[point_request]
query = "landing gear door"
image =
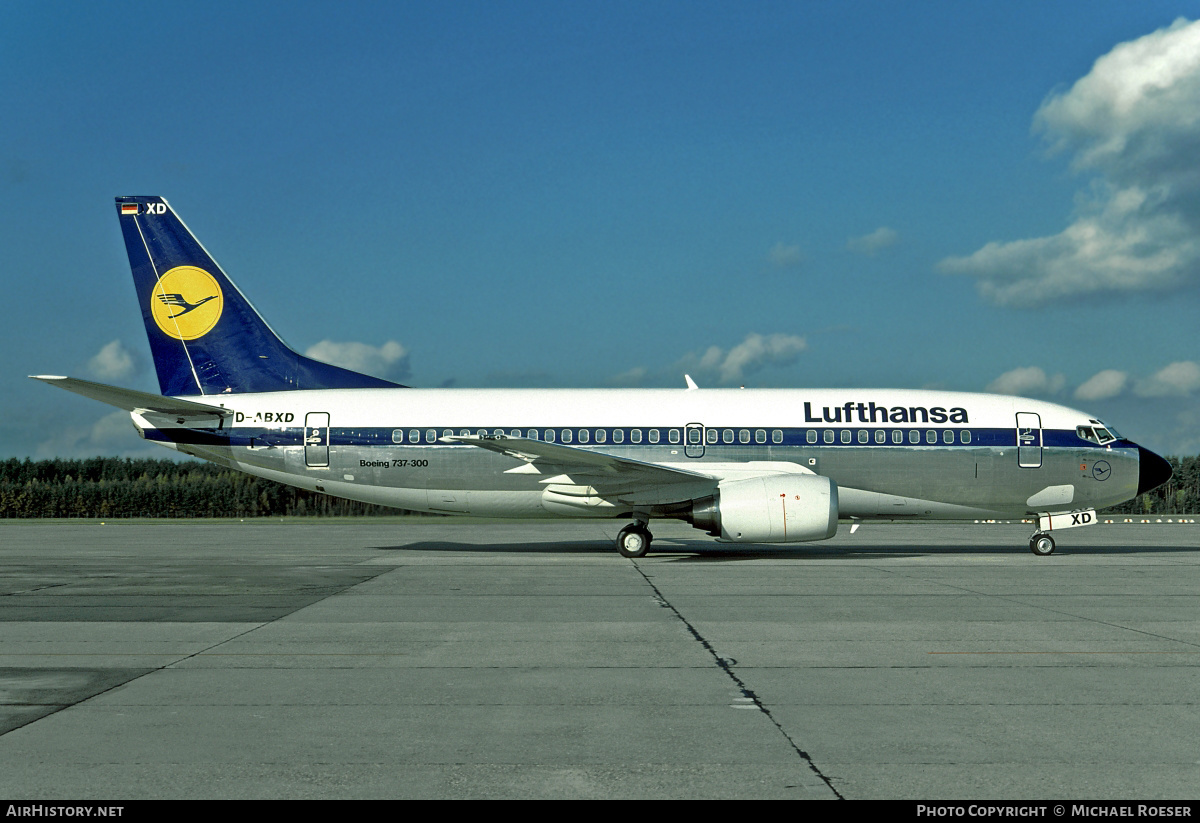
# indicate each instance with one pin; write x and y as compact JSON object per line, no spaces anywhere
{"x":693,"y":440}
{"x":1029,"y":440}
{"x":316,"y":439}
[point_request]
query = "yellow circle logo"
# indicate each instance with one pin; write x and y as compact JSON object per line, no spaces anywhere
{"x":186,"y":303}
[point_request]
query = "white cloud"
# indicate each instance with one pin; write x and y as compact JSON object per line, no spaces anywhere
{"x":110,"y":435}
{"x":1030,"y":380}
{"x":390,"y":361}
{"x":871,"y":244}
{"x":1134,"y":122}
{"x":1102,"y":385}
{"x":1176,"y":379}
{"x":716,"y":366}
{"x":114,"y":362}
{"x":633,"y":377}
{"x":785,"y":257}
{"x":748,"y":357}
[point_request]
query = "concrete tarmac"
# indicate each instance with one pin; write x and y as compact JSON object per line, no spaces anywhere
{"x":464,"y":659}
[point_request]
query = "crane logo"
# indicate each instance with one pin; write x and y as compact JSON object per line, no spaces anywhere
{"x":186,"y":303}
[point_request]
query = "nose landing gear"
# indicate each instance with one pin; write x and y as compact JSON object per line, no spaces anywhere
{"x":1041,"y":544}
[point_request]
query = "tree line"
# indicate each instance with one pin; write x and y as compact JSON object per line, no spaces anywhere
{"x":127,"y":487}
{"x":124,"y":487}
{"x":1179,"y":495}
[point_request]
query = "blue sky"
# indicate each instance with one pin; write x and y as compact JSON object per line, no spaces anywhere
{"x":968,"y":196}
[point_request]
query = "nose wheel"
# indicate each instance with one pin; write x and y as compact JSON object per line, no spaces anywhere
{"x":634,"y":540}
{"x":1041,"y":544}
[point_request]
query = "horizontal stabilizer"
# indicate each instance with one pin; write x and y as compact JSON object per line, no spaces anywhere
{"x":131,"y":400}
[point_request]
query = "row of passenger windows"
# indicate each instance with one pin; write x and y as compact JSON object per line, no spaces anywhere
{"x":712,"y":436}
{"x":898,"y":435}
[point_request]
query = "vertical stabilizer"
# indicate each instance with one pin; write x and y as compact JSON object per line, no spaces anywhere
{"x":205,"y":336}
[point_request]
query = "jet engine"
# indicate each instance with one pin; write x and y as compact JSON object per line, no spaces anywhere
{"x":772,"y":508}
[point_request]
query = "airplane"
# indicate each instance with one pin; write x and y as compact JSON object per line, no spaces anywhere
{"x":769,"y":466}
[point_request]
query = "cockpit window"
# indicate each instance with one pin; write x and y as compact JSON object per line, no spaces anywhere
{"x":1096,"y":434}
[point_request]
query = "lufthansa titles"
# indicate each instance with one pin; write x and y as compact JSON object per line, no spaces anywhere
{"x":852,"y":412}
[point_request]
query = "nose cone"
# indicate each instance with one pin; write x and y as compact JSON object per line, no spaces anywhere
{"x":1153,"y":471}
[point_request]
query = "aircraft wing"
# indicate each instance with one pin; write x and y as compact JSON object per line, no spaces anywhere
{"x":595,"y":472}
{"x":582,"y":461}
{"x":132,"y":400}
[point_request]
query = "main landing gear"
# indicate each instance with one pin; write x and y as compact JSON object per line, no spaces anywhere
{"x":634,"y":540}
{"x":1041,"y":544}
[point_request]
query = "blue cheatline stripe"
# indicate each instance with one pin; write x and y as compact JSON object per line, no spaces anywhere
{"x":792,"y":437}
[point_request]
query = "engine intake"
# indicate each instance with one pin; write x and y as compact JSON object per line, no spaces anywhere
{"x":773,"y":508}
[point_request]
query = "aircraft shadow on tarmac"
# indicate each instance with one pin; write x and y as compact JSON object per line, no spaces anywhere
{"x":702,"y":551}
{"x":867,"y":552}
{"x":546,"y":547}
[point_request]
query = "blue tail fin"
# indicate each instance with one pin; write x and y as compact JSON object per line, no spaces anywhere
{"x":205,"y":336}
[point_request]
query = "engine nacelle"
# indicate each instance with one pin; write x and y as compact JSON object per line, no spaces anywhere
{"x":773,"y":508}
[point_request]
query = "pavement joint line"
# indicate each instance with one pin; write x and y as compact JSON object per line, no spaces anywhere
{"x":176,"y":662}
{"x":727,"y":667}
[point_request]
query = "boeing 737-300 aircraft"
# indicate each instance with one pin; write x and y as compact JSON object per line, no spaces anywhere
{"x":743,"y":465}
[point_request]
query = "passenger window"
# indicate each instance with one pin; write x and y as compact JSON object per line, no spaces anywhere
{"x":827,"y":435}
{"x":693,"y":437}
{"x":862,"y":436}
{"x":567,"y":436}
{"x":914,"y":436}
{"x":414,"y":436}
{"x":654,"y":435}
{"x":777,"y":436}
{"x":727,"y":435}
{"x":964,"y":436}
{"x":948,"y":436}
{"x":811,"y":436}
{"x":711,"y":436}
{"x":583,"y":435}
{"x":760,"y":436}
{"x":397,"y":435}
{"x":744,"y":436}
{"x":618,"y":435}
{"x":533,"y":434}
{"x":635,"y":436}
{"x":880,"y":436}
{"x":465,"y":432}
{"x":897,"y":436}
{"x":931,"y":436}
{"x":673,"y":435}
{"x":549,"y":435}
{"x":448,"y":433}
{"x":845,"y":435}
{"x":515,"y":432}
{"x":430,"y":435}
{"x":601,"y":435}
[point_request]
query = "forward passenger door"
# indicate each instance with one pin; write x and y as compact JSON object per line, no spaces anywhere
{"x":1029,"y":440}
